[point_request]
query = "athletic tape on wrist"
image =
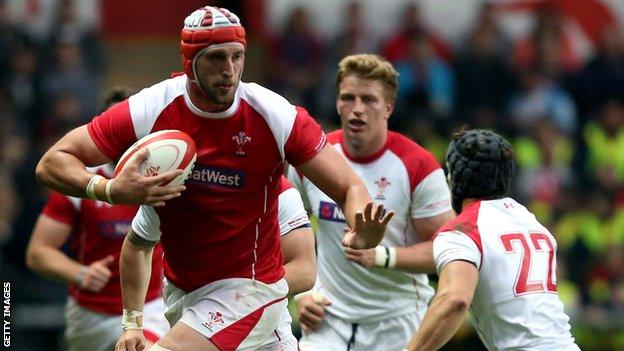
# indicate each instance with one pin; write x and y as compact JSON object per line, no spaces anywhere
{"x":381,"y":256}
{"x":385,"y":257}
{"x":392,"y":257}
{"x":81,"y":275}
{"x":107,"y":191}
{"x":93,"y":182}
{"x":316,"y":296}
{"x":132,"y":319}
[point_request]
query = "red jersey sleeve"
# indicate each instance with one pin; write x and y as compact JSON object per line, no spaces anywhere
{"x":305,"y":140}
{"x":60,"y":208}
{"x":284,"y":184}
{"x":113,"y":130}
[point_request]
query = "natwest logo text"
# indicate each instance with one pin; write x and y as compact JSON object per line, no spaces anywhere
{"x":331,"y":212}
{"x":224,"y":177}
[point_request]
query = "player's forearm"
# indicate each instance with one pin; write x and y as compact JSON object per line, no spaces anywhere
{"x":63,"y":170}
{"x":355,"y":200}
{"x":443,"y":318}
{"x":417,"y":258}
{"x":300,"y":276}
{"x":135,"y":271}
{"x":64,"y":173}
{"x":53,"y":263}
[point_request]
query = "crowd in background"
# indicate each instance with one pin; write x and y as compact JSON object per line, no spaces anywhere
{"x":564,"y":113}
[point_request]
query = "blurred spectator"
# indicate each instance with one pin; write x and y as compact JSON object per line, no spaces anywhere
{"x":354,"y":38}
{"x":548,"y":47}
{"x":298,"y":55}
{"x":541,"y":98}
{"x":396,"y":47}
{"x":24,"y":86}
{"x":67,"y":28}
{"x":604,"y":139}
{"x":11,"y":38}
{"x":603,"y":77}
{"x":426,"y":83}
{"x":70,"y":75}
{"x":483,"y":80}
{"x":543,"y":158}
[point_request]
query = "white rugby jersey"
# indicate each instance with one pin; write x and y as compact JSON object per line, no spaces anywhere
{"x":515,"y":305}
{"x":407,"y":179}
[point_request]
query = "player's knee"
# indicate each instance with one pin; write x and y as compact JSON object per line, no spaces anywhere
{"x":157,"y":347}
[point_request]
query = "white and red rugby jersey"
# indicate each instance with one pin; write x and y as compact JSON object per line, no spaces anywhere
{"x":404,"y":177}
{"x":515,"y":305}
{"x":225,"y":224}
{"x":98,"y":230}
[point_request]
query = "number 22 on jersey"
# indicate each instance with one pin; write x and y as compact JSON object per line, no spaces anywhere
{"x":527,"y":248}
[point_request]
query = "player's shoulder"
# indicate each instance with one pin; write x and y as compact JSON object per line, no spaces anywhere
{"x":465,"y":223}
{"x":409,"y":151}
{"x":418,"y":161}
{"x":264,"y":100}
{"x":161,"y":93}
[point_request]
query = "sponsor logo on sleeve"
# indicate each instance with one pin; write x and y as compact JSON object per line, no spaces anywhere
{"x":221,"y":177}
{"x":298,"y":221}
{"x":329,"y":211}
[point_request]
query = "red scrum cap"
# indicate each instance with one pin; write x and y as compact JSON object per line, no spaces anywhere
{"x":205,"y":27}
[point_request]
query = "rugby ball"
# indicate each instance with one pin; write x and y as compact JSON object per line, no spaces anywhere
{"x":168,"y":150}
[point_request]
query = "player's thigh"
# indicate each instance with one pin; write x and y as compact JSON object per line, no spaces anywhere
{"x":88,"y":330}
{"x":333,"y":334}
{"x":388,"y":334}
{"x":232,"y":313}
{"x":282,"y":338}
{"x":184,"y":338}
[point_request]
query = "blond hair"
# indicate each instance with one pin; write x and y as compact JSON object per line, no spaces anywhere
{"x":373,"y":67}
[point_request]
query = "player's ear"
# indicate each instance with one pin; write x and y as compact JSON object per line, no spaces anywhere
{"x":389,"y":109}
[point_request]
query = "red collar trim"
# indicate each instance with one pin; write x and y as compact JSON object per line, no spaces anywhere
{"x":368,"y":159}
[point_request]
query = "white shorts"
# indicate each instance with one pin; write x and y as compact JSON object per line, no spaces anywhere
{"x":87,"y":330}
{"x":235,"y":313}
{"x":335,"y":334}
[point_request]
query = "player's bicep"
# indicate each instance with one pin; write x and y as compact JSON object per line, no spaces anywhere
{"x":459,"y":278}
{"x":298,"y":245}
{"x":49,"y":232}
{"x":427,"y":226}
{"x":79,"y":144}
{"x":455,"y":246}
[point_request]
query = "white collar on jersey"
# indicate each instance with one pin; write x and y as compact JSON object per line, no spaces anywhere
{"x":216,"y":115}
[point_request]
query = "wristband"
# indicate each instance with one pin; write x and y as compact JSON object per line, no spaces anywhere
{"x":81,"y":275}
{"x":93,"y":183}
{"x":316,"y":296}
{"x":392,"y":257}
{"x":381,"y":256}
{"x":107,"y":191}
{"x":132,"y":319}
{"x":385,"y":257}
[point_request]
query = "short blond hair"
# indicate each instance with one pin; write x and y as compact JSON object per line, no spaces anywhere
{"x":373,"y":67}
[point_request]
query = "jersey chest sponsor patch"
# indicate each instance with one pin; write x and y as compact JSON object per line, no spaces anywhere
{"x":222,"y":177}
{"x":114,"y":229}
{"x":329,"y":211}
